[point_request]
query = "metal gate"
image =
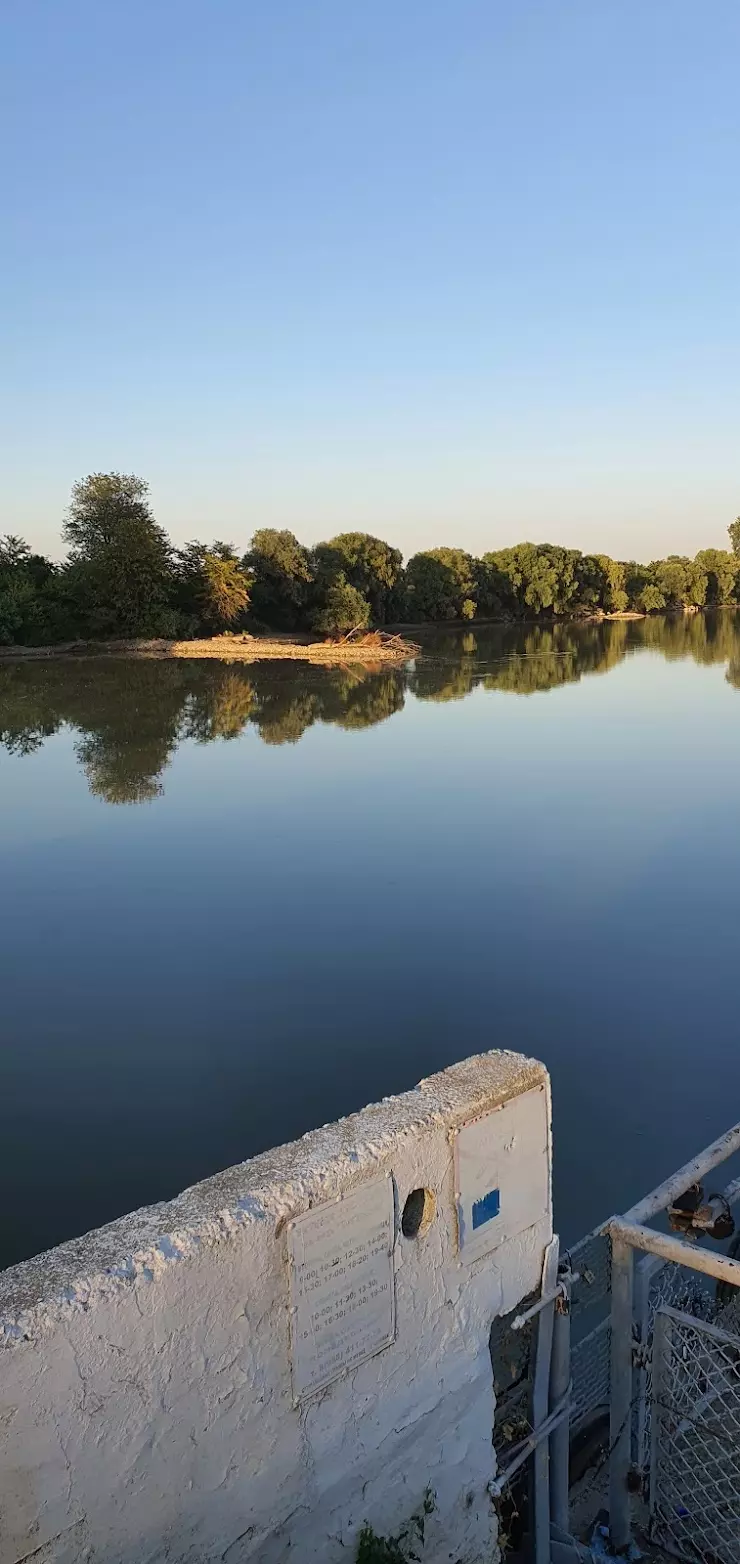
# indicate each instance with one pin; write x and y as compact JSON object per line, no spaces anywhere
{"x":695,"y":1454}
{"x":656,"y":1282}
{"x":632,"y":1350}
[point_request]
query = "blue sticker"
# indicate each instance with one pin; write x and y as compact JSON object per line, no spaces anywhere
{"x":486,"y":1208}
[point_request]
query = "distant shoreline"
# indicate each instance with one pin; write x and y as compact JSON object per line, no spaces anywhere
{"x":388,"y":645}
{"x":599,"y":617}
{"x":372,"y":648}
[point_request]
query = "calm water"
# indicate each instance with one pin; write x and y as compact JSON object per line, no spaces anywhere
{"x":240,"y":901}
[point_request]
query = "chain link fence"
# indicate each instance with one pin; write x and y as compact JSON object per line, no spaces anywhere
{"x":695,"y":1459}
{"x":657,"y":1282}
{"x":590,"y":1261}
{"x":659,"y":1285}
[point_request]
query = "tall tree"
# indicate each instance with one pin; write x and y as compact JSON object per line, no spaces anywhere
{"x":681,"y":581}
{"x":120,"y":556}
{"x":722,"y":570}
{"x":281,"y":578}
{"x":734,"y":531}
{"x":343,"y":609}
{"x":371,"y":566}
{"x":441,"y":584}
{"x":540,"y":577}
{"x":25,"y":602}
{"x":213,"y":586}
{"x":614,"y":598}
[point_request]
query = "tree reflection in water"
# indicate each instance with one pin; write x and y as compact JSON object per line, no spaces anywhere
{"x":130,"y":717}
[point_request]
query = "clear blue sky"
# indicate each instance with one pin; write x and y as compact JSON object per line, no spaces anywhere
{"x":460,"y":271}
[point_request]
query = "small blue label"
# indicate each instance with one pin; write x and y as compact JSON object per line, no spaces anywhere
{"x":486,"y":1208}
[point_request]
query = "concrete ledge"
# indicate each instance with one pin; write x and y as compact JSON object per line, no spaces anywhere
{"x":150,"y":1406}
{"x":273,"y":1186}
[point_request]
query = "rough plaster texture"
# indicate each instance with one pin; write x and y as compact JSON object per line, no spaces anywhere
{"x":146,"y":1410}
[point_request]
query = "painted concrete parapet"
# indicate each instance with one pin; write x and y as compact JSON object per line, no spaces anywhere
{"x":255,"y":1370}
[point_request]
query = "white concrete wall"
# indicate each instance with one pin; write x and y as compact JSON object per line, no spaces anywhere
{"x":146,"y":1409}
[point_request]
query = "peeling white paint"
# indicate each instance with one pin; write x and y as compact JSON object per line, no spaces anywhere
{"x":146,"y":1407}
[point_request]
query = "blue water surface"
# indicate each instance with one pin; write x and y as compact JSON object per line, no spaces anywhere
{"x":240,"y":901}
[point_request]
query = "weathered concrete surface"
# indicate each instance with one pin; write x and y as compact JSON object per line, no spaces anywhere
{"x":146,"y":1409}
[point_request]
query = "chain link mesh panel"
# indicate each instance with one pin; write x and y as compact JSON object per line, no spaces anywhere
{"x":590,"y":1260}
{"x":695,"y":1464}
{"x":591,"y":1375}
{"x":657,"y":1282}
{"x":682,"y":1289}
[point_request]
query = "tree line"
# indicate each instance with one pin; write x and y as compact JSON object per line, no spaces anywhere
{"x":131,"y":717}
{"x":122,"y":577}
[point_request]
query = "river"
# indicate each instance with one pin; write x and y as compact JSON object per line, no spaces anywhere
{"x":239,"y":901}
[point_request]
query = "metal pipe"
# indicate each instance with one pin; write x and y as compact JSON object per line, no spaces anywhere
{"x":559,"y":1388}
{"x":540,"y":1406}
{"x":520,"y":1320}
{"x":732,"y":1192}
{"x":620,"y":1411}
{"x":691,"y":1173}
{"x":709,"y":1261}
{"x":497,"y":1484}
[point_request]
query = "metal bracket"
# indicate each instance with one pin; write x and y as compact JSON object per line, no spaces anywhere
{"x":558,"y":1295}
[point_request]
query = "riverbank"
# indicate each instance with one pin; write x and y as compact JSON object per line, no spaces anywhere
{"x":375,"y":647}
{"x":511,"y":621}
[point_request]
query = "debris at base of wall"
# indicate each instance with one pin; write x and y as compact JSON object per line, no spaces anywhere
{"x":600,"y":1544}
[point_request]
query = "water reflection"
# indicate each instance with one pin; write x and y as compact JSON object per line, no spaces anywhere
{"x":130,"y":717}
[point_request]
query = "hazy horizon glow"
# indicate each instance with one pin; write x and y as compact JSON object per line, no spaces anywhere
{"x":460,"y":275}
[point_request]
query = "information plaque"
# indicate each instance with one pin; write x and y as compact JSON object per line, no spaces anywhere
{"x":341,"y":1285}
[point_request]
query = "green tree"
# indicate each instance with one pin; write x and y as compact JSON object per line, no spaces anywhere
{"x":651,"y":599}
{"x":282,"y":577}
{"x":639,"y":579}
{"x":590,"y":584}
{"x":539,"y":577}
{"x":120,"y":557}
{"x":614,"y":599}
{"x":19,"y":611}
{"x":491,"y":589}
{"x":722,"y":570}
{"x":214,"y":587}
{"x":343,"y":609}
{"x":24,"y":593}
{"x":679,"y":580}
{"x":14,"y":554}
{"x":734,"y":531}
{"x":439,"y":581}
{"x":371,"y":566}
{"x":698,"y":586}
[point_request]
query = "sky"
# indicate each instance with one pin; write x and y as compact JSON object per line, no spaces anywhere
{"x":461,"y":273}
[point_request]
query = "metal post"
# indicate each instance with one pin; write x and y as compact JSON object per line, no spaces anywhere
{"x":540,"y":1403}
{"x":559,"y":1390}
{"x":620,"y":1431}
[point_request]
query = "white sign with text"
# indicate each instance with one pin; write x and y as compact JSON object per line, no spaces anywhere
{"x":341,"y":1285}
